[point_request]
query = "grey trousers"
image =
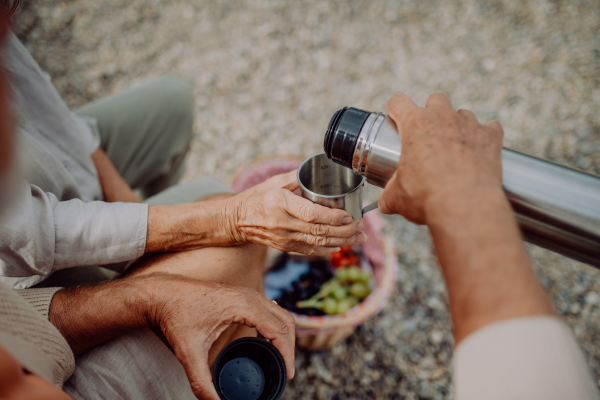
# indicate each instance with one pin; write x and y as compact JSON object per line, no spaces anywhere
{"x":145,"y":131}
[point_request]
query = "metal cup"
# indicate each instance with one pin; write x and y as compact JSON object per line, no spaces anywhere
{"x":331,"y":185}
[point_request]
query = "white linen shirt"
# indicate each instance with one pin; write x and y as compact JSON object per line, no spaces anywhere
{"x":58,"y":221}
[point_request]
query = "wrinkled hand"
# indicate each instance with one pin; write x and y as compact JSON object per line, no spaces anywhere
{"x":446,"y":156}
{"x":272,"y":215}
{"x":193,"y":314}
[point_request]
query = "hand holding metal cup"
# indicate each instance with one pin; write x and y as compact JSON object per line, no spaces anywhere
{"x":331,"y":185}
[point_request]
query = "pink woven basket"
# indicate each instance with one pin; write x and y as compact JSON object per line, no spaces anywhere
{"x":321,"y":332}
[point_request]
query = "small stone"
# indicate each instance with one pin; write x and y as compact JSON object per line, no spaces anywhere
{"x":575,"y":308}
{"x":425,"y":390}
{"x":436,"y":337}
{"x":488,"y":64}
{"x":592,"y":298}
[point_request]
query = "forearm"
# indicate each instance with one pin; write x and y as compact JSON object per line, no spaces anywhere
{"x":190,"y":226}
{"x":113,"y":185}
{"x":487,"y":272}
{"x":89,"y":316}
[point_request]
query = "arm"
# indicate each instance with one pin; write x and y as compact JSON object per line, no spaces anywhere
{"x":191,"y":314}
{"x":41,"y":234}
{"x":259,"y":215}
{"x":450,"y":178}
{"x":113,"y":185}
{"x":487,"y":272}
{"x":509,"y":343}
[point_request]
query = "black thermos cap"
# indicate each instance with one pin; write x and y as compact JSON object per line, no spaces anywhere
{"x":342,"y":135}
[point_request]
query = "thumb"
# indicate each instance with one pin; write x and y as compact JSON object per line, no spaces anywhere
{"x":383,"y":204}
{"x":388,"y":200}
{"x":289,"y":180}
{"x":198,"y":373}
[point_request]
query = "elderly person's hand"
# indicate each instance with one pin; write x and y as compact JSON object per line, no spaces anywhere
{"x":450,"y":178}
{"x":268,"y":214}
{"x":194,"y":314}
{"x":191,"y":314}
{"x":272,"y":215}
{"x":447,"y":156}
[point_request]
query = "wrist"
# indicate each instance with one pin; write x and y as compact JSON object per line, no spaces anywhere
{"x":190,"y":226}
{"x":231,"y":213}
{"x":458,"y":207}
{"x":91,"y":315}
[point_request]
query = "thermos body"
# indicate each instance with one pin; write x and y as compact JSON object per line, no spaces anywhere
{"x":557,"y":207}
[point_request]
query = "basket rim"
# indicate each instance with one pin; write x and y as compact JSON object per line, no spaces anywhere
{"x":367,"y":308}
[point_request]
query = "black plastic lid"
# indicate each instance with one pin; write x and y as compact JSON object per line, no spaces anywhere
{"x":342,"y":135}
{"x":249,"y":368}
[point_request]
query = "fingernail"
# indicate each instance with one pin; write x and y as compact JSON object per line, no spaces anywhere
{"x":293,"y":371}
{"x":360,"y":226}
{"x":347,"y":220}
{"x":361,"y":237}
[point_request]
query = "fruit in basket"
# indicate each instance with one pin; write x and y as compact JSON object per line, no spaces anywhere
{"x":341,"y":293}
{"x":342,"y":274}
{"x":345,"y":305}
{"x":360,"y":290}
{"x":330,"y":306}
{"x":307,"y":285}
{"x":345,"y":257}
{"x":319,"y":291}
{"x":353,"y":274}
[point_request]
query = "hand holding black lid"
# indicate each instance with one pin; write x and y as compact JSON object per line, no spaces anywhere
{"x":192,"y":314}
{"x":197,"y":313}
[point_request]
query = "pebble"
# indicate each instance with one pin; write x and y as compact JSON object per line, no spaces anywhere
{"x":592,"y":298}
{"x":436,"y":336}
{"x":269,"y":75}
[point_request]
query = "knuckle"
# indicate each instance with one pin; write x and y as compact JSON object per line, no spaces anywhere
{"x":284,"y":329}
{"x":289,"y":319}
{"x":320,"y":241}
{"x":415,"y":120}
{"x":319,"y":230}
{"x":243,"y":296}
{"x":308,"y":213}
{"x":448,"y":114}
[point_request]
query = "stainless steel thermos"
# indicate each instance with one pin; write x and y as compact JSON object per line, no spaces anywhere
{"x":557,"y":207}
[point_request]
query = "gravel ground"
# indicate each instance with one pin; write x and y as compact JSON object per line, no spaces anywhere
{"x":267,"y":77}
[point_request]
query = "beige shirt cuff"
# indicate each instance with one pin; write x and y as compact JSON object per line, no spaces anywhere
{"x":530,"y":358}
{"x":40,"y":299}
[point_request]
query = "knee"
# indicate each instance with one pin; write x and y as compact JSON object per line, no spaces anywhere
{"x":177,"y":99}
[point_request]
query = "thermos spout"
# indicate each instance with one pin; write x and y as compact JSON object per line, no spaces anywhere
{"x":557,"y":207}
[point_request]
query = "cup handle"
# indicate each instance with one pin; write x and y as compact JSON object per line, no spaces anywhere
{"x":370,"y":207}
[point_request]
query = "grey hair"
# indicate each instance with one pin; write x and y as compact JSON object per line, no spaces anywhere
{"x":12,"y":6}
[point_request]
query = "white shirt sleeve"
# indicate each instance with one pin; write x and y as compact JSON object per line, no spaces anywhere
{"x":40,"y":234}
{"x":533,"y":358}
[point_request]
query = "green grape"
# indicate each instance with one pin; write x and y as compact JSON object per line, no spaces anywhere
{"x":364,"y":277}
{"x":345,"y":305}
{"x":340,"y":293}
{"x":359,"y":290}
{"x":353,"y":273}
{"x":342,"y":274}
{"x":330,"y":306}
